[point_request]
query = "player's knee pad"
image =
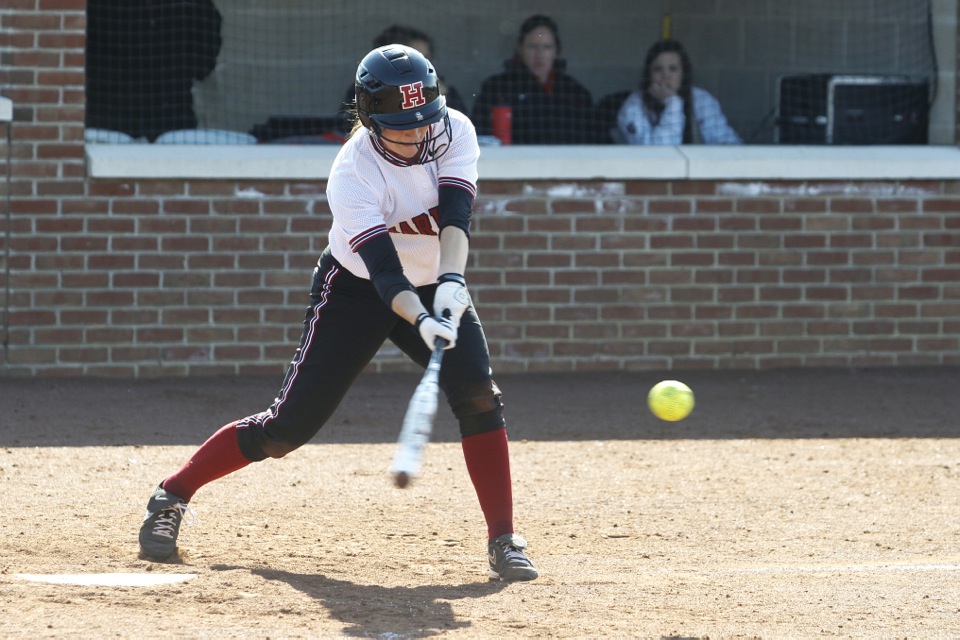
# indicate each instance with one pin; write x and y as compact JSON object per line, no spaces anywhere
{"x":477,"y":407}
{"x":479,"y":423}
{"x":277,"y":448}
{"x":260,"y":446}
{"x":478,"y":414}
{"x":258,"y":442}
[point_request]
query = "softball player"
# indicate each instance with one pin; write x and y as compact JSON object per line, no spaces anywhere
{"x":401,"y":191}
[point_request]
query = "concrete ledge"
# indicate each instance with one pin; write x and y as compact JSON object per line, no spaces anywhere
{"x":213,"y":162}
{"x":760,"y":162}
{"x":581,"y":163}
{"x":821,"y":163}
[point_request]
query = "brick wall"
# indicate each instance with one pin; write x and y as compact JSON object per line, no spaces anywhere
{"x":719,"y":275}
{"x":168,"y":278}
{"x":149,"y":278}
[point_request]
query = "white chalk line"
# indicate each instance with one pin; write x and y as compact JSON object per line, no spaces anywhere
{"x":158,"y":579}
{"x":823,"y":568}
{"x":108,"y":579}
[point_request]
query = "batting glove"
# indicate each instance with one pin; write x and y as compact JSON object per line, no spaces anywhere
{"x":451,"y":298}
{"x":431,"y":328}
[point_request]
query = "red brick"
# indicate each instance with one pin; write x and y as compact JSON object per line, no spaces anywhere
{"x":527,"y":207}
{"x":135,"y":243}
{"x":851,"y":205}
{"x":851,"y":240}
{"x":941,"y":239}
{"x":758,"y":205}
{"x":111,"y":262}
{"x":713,"y":205}
{"x":781,"y":223}
{"x":83,"y":317}
{"x":693,"y":187}
{"x":134,"y":207}
{"x":162,"y":188}
{"x":646,"y":188}
{"x":671,"y":241}
{"x":528,"y":277}
{"x":941,"y":275}
{"x":804,"y":205}
{"x":500,"y":224}
{"x":941,"y":205}
{"x":596,"y":224}
{"x":553,"y":259}
{"x":59,"y":225}
{"x":562,"y":207}
{"x":897,"y":205}
{"x":802,"y":240}
{"x":920,"y":222}
{"x":137,"y":279}
{"x":524,"y":241}
{"x":672,"y":206}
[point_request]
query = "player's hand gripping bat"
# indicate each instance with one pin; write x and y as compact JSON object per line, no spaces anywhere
{"x":418,"y":421}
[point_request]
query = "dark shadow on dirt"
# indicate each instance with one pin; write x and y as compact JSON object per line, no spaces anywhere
{"x":373,"y":611}
{"x":921,"y":402}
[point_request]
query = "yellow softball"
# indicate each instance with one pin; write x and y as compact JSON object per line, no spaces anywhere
{"x":670,"y":400}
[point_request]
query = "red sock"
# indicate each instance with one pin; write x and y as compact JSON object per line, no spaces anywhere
{"x":217,"y":457}
{"x":488,"y":463}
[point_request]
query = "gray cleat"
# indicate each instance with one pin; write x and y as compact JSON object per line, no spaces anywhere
{"x":161,"y":524}
{"x":508,"y":562}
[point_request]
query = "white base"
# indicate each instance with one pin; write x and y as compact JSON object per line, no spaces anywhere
{"x":109,"y":579}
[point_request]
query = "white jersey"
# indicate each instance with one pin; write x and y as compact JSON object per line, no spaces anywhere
{"x":369,"y":195}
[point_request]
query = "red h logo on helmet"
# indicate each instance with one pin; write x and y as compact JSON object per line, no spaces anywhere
{"x":412,"y":95}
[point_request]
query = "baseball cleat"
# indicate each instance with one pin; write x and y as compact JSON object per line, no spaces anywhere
{"x":508,"y":562}
{"x":161,"y":524}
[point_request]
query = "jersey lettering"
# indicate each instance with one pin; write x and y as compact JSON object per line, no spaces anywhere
{"x":422,"y":223}
{"x":412,"y":95}
{"x":405,"y":228}
{"x":419,"y":225}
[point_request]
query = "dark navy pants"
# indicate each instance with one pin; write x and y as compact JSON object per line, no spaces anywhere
{"x":345,"y":325}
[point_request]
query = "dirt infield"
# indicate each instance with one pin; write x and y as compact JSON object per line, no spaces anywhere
{"x":792,"y":504}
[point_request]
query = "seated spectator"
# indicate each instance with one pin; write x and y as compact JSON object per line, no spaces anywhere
{"x":668,"y":109}
{"x":411,"y":37}
{"x":142,"y":59}
{"x":548,"y":106}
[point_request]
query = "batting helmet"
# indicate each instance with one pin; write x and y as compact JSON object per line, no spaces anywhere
{"x":397,"y":88}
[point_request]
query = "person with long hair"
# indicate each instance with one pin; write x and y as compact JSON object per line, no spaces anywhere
{"x":401,"y":193}
{"x":548,"y":106}
{"x":143,"y":59}
{"x":422,"y":42}
{"x":668,"y":108}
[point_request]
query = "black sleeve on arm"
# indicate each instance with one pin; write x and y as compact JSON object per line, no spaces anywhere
{"x":456,"y":205}
{"x":386,"y":273}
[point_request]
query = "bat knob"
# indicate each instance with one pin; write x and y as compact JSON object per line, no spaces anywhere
{"x":401,"y":479}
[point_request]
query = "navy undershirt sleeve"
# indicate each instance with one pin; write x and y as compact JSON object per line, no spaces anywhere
{"x":382,"y":262}
{"x":456,"y":206}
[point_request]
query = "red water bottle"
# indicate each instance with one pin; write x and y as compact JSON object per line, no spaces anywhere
{"x":502,"y":123}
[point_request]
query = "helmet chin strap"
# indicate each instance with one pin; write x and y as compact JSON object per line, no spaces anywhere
{"x":400,"y":160}
{"x":428,"y":150}
{"x":436,"y":148}
{"x":417,"y":148}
